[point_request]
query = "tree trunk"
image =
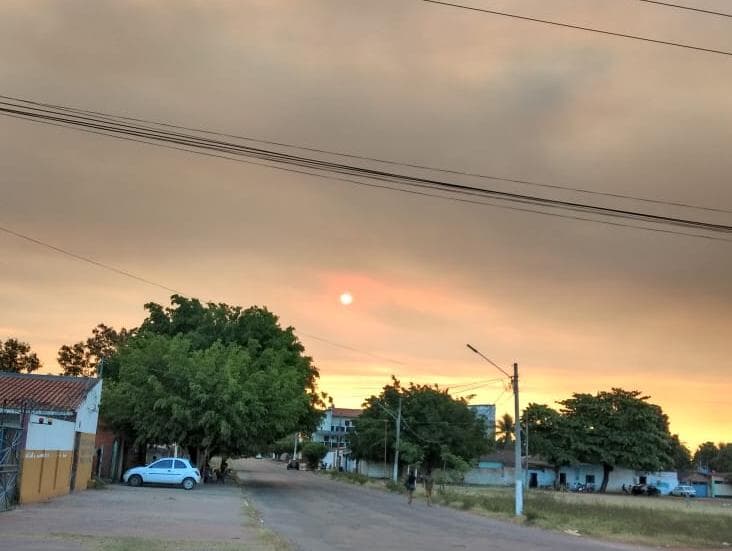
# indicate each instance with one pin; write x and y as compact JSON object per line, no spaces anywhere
{"x":605,"y":477}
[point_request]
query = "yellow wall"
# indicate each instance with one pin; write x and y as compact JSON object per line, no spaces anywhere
{"x":45,"y":474}
{"x":84,"y":464}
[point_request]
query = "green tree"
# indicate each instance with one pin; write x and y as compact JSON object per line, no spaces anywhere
{"x":83,"y":358}
{"x":216,"y":379}
{"x":723,"y":462}
{"x":313,"y":453}
{"x":711,"y":457}
{"x":285,"y":444}
{"x":437,"y":429}
{"x":680,"y":454}
{"x":504,"y":431}
{"x":255,"y":329}
{"x":705,"y":456}
{"x":618,"y":428}
{"x":550,"y":435}
{"x":16,"y":357}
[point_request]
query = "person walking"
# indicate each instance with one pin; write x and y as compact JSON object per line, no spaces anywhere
{"x":411,"y":485}
{"x":429,"y":484}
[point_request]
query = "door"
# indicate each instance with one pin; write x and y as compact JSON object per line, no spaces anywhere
{"x":179,"y":471}
{"x":10,"y":437}
{"x":160,"y":472}
{"x":533,"y":480}
{"x":75,"y":461}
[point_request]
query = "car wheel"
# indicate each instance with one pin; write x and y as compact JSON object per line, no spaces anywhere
{"x":135,"y":480}
{"x":188,"y":484}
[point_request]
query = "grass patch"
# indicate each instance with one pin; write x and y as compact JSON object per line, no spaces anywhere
{"x":353,"y":478}
{"x":395,"y":487}
{"x":642,"y":523}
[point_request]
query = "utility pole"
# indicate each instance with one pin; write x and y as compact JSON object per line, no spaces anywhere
{"x":386,"y":424}
{"x":395,"y":470}
{"x":518,"y":464}
{"x":294,"y":453}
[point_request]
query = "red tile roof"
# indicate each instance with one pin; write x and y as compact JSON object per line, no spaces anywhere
{"x":44,"y":392}
{"x":346,"y":412}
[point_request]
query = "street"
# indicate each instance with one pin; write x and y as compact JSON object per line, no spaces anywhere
{"x":318,"y":514}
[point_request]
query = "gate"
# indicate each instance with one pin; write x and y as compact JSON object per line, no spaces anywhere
{"x":10,"y":443}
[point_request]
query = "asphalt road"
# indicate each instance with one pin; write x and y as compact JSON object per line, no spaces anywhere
{"x":318,"y":514}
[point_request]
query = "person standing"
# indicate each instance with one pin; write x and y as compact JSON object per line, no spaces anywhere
{"x":411,"y":485}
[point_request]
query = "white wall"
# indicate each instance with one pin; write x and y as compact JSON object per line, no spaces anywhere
{"x":88,"y":413}
{"x":59,"y":435}
{"x":374,"y":469}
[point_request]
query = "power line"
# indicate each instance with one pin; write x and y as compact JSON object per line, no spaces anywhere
{"x":689,"y":8}
{"x":580,"y":27}
{"x":352,"y":349}
{"x":194,"y":141}
{"x":147,"y":281}
{"x":112,"y":116}
{"x":184,"y":143}
{"x":89,"y":260}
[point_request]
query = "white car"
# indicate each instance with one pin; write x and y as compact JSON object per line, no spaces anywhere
{"x":169,"y":470}
{"x":684,"y":491}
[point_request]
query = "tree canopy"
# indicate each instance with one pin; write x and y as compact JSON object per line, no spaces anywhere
{"x":17,"y":357}
{"x":550,"y":435}
{"x":213,"y":377}
{"x":504,"y":430}
{"x":84,"y":357}
{"x":618,"y":428}
{"x":436,"y":430}
{"x":712,"y":457}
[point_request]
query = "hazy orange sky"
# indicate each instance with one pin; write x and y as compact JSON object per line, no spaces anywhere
{"x":582,"y":307}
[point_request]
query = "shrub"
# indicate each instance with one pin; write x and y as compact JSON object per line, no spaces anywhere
{"x":313,"y":453}
{"x":395,"y":487}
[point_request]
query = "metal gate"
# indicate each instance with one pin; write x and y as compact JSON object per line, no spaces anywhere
{"x":10,"y":438}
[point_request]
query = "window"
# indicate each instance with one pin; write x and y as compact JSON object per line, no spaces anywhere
{"x":332,"y":428}
{"x":162,"y":464}
{"x":179,"y":464}
{"x":590,"y":479}
{"x":642,"y":480}
{"x":348,"y":423}
{"x":563,"y":478}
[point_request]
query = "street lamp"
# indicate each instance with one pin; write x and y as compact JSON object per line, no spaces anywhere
{"x":518,"y":464}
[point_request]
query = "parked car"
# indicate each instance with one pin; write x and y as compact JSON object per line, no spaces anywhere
{"x":642,"y":490}
{"x":168,"y":470}
{"x":684,"y":491}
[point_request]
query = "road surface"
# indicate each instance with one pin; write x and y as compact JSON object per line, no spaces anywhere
{"x":318,"y":514}
{"x":211,"y":517}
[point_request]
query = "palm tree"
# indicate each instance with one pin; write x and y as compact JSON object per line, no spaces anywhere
{"x":504,"y":431}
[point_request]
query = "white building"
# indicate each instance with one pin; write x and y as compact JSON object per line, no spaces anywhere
{"x":333,"y":431}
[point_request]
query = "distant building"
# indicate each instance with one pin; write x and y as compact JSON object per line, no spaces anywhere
{"x":333,"y":431}
{"x":487,"y":412}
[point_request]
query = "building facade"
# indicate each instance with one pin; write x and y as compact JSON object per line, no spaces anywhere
{"x":333,"y":431}
{"x":57,"y":422}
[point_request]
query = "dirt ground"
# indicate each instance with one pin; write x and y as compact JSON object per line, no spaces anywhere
{"x":121,"y":518}
{"x":318,"y":514}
